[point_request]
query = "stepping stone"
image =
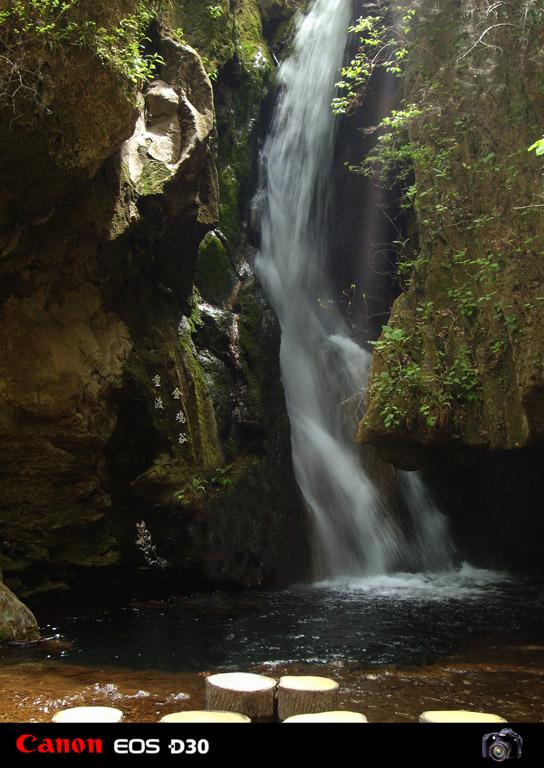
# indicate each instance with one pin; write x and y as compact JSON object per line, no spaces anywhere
{"x":205,"y":716}
{"x":459,"y":716}
{"x":305,"y":694}
{"x":328,"y":717}
{"x":242,"y":692}
{"x":88,"y":715}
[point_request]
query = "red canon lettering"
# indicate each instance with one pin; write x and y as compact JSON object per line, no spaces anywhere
{"x":47,"y":746}
{"x":20,"y":743}
{"x":28,"y":743}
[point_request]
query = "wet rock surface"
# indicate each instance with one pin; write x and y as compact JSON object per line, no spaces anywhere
{"x":17,"y":623}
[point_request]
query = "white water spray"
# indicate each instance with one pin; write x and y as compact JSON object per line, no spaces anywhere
{"x":321,"y":366}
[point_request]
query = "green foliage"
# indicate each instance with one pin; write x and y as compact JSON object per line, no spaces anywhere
{"x":381,"y":47}
{"x":425,"y":310}
{"x":394,"y":154}
{"x":410,"y":265}
{"x":199,"y":489}
{"x":391,"y":344}
{"x":224,"y":477}
{"x":193,"y":492}
{"x":475,"y":284}
{"x":538,"y":147}
{"x":468,"y":261}
{"x":214,"y":11}
{"x":32,"y":29}
{"x":123,"y":48}
{"x":496,"y":347}
{"x":460,"y":378}
{"x":440,"y":394}
{"x":402,"y":374}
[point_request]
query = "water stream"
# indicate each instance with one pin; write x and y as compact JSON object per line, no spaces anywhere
{"x":322,"y":367}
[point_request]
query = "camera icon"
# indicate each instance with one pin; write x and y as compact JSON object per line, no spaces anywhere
{"x":502,"y":745}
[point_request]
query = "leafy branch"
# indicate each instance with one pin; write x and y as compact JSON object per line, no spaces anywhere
{"x":381,"y":47}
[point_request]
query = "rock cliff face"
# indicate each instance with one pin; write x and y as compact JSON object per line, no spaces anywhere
{"x":457,"y":379}
{"x":139,"y":422}
{"x":461,"y":360}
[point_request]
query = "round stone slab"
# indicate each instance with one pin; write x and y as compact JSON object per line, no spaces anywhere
{"x":205,"y":716}
{"x":336,"y":716}
{"x":88,"y":715}
{"x":458,"y":716}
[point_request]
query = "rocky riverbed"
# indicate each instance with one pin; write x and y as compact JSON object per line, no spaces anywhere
{"x":491,"y":675}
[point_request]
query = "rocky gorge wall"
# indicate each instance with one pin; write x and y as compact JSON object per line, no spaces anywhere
{"x":142,"y":415}
{"x":457,"y":376}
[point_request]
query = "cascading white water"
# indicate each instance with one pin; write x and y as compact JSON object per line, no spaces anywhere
{"x":432,"y":548}
{"x":321,"y":366}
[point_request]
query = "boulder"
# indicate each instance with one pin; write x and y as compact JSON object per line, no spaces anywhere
{"x":17,"y":622}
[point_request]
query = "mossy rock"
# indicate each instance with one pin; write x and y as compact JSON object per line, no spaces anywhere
{"x":218,"y":379}
{"x":214,"y":274}
{"x":250,"y":31}
{"x":474,"y":298}
{"x":17,"y":622}
{"x":209,"y":31}
{"x":152,"y":178}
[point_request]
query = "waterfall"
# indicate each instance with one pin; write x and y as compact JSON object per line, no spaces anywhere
{"x":321,"y":366}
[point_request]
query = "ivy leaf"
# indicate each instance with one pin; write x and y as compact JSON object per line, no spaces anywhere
{"x":538,"y":146}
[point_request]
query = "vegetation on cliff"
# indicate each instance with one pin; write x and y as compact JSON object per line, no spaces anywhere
{"x":461,"y":356}
{"x":35,"y":32}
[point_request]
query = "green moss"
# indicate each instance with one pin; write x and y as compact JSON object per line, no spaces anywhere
{"x":214,"y":275}
{"x":233,"y":40}
{"x":252,"y":357}
{"x":195,"y":319}
{"x":232,"y":196}
{"x":177,"y":415}
{"x":152,"y":178}
{"x":201,"y":418}
{"x":8,"y":634}
{"x":211,"y":36}
{"x":250,"y":34}
{"x":238,"y":114}
{"x":219,"y":36}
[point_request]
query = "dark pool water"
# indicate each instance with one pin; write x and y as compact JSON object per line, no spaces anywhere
{"x":401,"y":620}
{"x":397,"y":645}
